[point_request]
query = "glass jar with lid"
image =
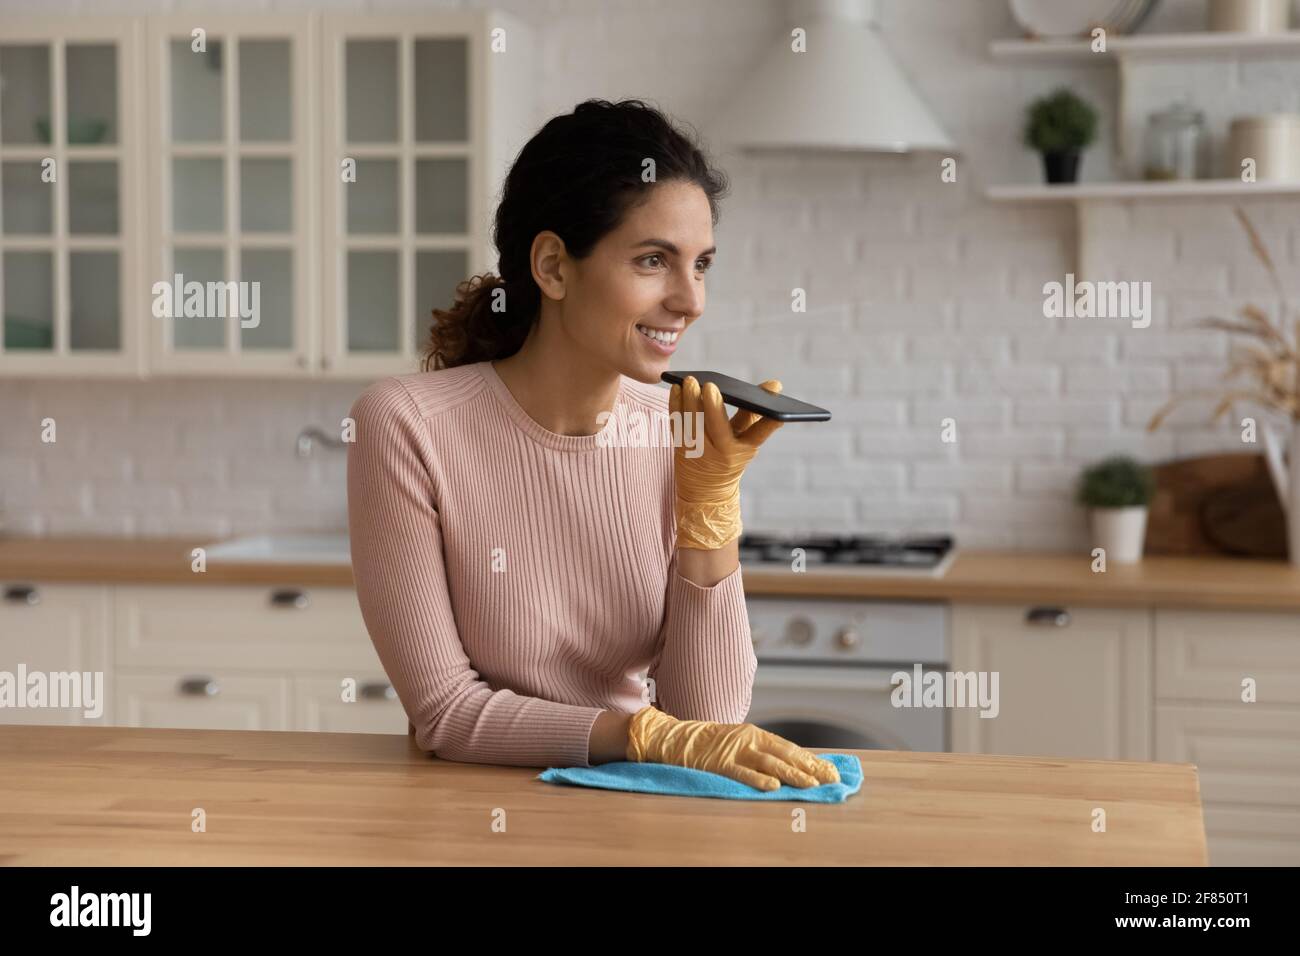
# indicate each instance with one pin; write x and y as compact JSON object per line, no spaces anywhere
{"x":1175,"y":143}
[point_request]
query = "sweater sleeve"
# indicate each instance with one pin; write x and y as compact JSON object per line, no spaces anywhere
{"x":401,"y":584}
{"x":705,"y":666}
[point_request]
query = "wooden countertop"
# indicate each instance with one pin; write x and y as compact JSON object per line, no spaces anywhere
{"x":980,"y":576}
{"x":91,"y":796}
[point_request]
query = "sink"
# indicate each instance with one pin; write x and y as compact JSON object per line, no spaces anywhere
{"x":331,"y":548}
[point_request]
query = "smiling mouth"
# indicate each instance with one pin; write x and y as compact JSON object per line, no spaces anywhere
{"x":662,"y":336}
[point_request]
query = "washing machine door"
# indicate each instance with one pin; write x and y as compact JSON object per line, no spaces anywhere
{"x":842,"y":707}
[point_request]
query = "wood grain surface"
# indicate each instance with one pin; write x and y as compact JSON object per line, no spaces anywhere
{"x":125,"y":796}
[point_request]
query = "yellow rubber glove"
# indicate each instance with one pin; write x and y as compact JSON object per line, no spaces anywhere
{"x":708,"y":485}
{"x":740,"y":751}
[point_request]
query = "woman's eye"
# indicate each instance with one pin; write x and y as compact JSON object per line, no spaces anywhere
{"x":704,"y":264}
{"x":647,"y":259}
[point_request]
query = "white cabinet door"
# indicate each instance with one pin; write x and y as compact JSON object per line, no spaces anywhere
{"x":373,"y":708}
{"x":232,"y":135}
{"x":58,"y":629}
{"x":203,"y":701}
{"x":204,"y":627}
{"x":1208,"y":666}
{"x":1072,"y":682}
{"x":420,"y":117}
{"x":71,"y":175}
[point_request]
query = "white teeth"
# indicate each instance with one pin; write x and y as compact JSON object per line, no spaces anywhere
{"x":668,"y":338}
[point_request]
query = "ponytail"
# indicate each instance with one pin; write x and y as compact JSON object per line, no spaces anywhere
{"x":471,"y":331}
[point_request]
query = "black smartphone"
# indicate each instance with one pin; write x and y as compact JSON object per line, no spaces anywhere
{"x":744,"y":395}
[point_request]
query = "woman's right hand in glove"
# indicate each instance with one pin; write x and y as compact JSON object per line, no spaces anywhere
{"x":742,"y":752}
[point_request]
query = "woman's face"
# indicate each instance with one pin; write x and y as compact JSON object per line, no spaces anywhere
{"x":646,"y":274}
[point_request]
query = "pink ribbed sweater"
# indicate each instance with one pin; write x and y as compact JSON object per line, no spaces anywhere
{"x":448,"y":478}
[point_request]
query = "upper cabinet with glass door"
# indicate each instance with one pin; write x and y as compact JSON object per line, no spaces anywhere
{"x":232,"y":244}
{"x":70,"y":177}
{"x":421,"y":118}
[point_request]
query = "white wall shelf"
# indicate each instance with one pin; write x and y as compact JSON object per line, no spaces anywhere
{"x":1192,"y":189}
{"x":1167,"y":46}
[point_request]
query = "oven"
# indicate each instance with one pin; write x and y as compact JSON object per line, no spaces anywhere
{"x":825,"y":668}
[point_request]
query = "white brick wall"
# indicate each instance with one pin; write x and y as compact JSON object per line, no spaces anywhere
{"x":924,"y":302}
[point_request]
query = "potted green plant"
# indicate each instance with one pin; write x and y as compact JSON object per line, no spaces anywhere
{"x":1117,"y":492}
{"x":1060,"y":126}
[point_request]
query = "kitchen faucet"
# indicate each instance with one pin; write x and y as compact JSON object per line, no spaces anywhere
{"x":309,"y":436}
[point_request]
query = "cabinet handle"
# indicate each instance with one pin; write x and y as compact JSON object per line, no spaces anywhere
{"x":199,"y":687}
{"x":378,"y":690}
{"x":290,"y":597}
{"x":1048,"y":617}
{"x":22,"y":594}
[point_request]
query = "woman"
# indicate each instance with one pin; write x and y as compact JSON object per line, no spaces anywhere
{"x":518,"y":573}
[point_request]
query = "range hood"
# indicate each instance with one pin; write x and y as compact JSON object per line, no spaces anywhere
{"x":844,"y":92}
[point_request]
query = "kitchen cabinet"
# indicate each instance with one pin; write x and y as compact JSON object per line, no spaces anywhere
{"x":231,"y":125}
{"x":315,"y":185}
{"x":71,"y":180}
{"x":421,"y":117}
{"x":204,"y":656}
{"x":55,"y":628}
{"x":1072,"y":682}
{"x":249,"y":657}
{"x":1161,"y":684}
{"x":1248,"y":752}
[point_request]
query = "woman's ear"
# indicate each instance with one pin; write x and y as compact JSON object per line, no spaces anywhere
{"x":548,"y":259}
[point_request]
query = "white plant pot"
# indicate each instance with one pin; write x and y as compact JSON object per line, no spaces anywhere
{"x":1286,"y":477}
{"x":1121,"y":532}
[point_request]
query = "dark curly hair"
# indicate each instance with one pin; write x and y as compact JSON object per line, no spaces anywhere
{"x":577,"y":176}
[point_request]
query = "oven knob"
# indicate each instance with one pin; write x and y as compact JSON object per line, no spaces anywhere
{"x":847,"y":639}
{"x":799,"y":631}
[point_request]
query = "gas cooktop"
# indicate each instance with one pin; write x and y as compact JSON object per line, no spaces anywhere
{"x":922,"y":555}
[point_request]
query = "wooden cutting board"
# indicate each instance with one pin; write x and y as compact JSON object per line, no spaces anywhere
{"x":1216,"y":504}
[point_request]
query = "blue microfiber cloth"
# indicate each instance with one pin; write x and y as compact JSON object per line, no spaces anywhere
{"x":684,"y":782}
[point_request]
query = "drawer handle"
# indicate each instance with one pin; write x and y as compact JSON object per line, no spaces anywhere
{"x":199,"y":687}
{"x":290,"y":597}
{"x":378,"y":690}
{"x":1048,"y":617}
{"x":22,"y":594}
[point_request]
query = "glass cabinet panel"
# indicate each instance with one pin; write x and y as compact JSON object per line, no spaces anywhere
{"x":28,"y":203}
{"x":29,"y":300}
{"x":441,"y":196}
{"x":25,"y":103}
{"x":272,"y":270}
{"x":92,"y":93}
{"x":207,"y":328}
{"x":96,"y":319}
{"x":265,"y":91}
{"x":198,"y":195}
{"x":197,"y":91}
{"x":266,"y":195}
{"x":373,"y":302}
{"x":441,"y":90}
{"x":436,"y":276}
{"x":373,"y":200}
{"x":93,"y":198}
{"x":372,"y":91}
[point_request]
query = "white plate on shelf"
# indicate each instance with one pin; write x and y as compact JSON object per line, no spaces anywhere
{"x":1069,"y":19}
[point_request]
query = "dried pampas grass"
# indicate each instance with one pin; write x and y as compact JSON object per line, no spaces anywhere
{"x":1269,"y":362}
